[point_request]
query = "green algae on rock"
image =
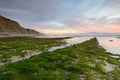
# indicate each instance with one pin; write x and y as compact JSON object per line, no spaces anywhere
{"x":85,"y":61}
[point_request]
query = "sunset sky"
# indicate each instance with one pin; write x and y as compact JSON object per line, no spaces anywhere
{"x":64,"y":16}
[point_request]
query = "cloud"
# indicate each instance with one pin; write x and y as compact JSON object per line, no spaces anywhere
{"x":38,"y":10}
{"x":50,"y":25}
{"x":64,"y":15}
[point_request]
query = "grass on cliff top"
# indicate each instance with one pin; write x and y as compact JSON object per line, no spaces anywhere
{"x":83,"y":61}
{"x":17,"y":46}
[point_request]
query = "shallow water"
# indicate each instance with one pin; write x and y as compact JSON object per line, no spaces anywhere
{"x":71,"y":41}
{"x":111,"y":44}
{"x":109,"y":67}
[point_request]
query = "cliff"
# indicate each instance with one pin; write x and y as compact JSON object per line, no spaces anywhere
{"x":10,"y":27}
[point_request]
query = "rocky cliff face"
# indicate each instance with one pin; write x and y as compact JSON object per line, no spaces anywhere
{"x":10,"y":27}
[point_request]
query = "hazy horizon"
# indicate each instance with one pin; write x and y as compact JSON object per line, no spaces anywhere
{"x":64,"y":16}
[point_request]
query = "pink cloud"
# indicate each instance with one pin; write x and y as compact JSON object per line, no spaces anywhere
{"x":76,"y":25}
{"x":82,"y":26}
{"x":108,"y":28}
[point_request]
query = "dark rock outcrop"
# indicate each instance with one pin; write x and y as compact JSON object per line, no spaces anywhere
{"x":10,"y":27}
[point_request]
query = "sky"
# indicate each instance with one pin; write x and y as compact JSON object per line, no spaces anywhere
{"x":64,"y":16}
